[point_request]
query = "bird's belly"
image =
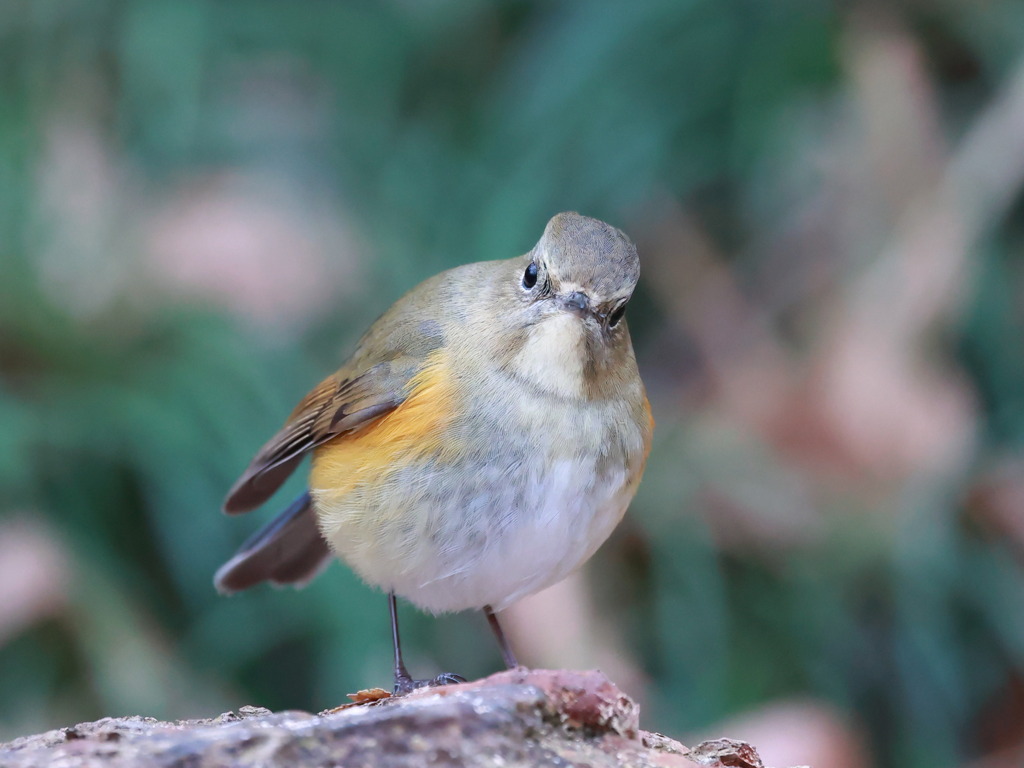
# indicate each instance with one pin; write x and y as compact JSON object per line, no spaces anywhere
{"x":453,"y":537}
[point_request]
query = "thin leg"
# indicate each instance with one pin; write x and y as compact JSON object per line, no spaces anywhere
{"x":403,"y":680}
{"x":506,"y":649}
{"x":402,"y":676}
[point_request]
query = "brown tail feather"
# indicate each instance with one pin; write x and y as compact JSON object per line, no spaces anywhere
{"x":288,"y":550}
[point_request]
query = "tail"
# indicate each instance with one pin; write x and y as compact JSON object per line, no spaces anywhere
{"x":288,"y":550}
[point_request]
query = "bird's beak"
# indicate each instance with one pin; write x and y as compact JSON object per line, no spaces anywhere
{"x":576,"y":302}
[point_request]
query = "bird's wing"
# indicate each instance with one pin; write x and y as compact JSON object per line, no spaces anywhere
{"x":341,"y":403}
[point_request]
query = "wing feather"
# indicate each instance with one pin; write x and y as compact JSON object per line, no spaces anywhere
{"x":335,"y":406}
{"x":372,"y":383}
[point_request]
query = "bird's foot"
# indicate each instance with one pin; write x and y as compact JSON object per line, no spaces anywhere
{"x":405,"y":684}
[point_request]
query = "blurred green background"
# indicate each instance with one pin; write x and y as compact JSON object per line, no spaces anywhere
{"x":203,"y":205}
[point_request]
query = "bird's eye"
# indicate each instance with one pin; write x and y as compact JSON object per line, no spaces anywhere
{"x":530,"y":276}
{"x":616,"y":316}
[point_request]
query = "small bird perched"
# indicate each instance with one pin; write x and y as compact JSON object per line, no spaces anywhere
{"x":481,"y":443}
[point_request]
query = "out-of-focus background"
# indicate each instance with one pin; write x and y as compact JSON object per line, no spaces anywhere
{"x":203,"y":204}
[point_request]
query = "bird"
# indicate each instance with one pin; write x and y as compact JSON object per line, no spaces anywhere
{"x":482,"y":441}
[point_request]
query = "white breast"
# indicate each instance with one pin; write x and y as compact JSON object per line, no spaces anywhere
{"x":566,"y":512}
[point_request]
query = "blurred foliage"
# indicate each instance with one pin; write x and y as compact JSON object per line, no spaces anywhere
{"x":439,"y":133}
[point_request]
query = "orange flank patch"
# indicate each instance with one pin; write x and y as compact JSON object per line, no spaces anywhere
{"x":414,"y":429}
{"x":634,"y":478}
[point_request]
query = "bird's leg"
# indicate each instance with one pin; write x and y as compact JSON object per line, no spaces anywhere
{"x":506,"y":650}
{"x":403,"y":680}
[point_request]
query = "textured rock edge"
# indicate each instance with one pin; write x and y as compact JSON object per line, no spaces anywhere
{"x":524,"y":717}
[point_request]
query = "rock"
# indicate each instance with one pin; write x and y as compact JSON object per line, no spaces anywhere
{"x":514,"y":718}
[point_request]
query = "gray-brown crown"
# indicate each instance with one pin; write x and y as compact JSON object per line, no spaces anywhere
{"x":588,"y":253}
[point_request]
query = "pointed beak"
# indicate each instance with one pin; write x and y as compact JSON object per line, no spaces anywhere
{"x":577,"y":302}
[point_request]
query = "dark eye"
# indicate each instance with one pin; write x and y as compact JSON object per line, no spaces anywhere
{"x":530,"y":276}
{"x":615,"y":316}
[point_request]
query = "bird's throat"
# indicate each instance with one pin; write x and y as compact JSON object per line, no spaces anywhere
{"x":554,"y":357}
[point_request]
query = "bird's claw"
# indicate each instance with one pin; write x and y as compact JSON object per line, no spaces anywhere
{"x":405,"y":684}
